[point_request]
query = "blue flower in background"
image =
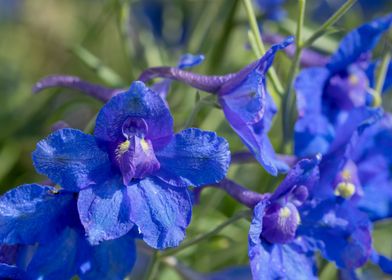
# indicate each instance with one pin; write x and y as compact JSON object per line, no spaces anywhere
{"x":330,"y":97}
{"x":290,"y":225}
{"x":41,"y":236}
{"x":247,"y":105}
{"x":272,"y":9}
{"x":134,"y":170}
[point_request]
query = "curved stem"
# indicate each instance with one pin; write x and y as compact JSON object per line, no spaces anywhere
{"x":288,"y":98}
{"x":241,"y":194}
{"x":153,"y":266}
{"x":97,"y":91}
{"x":382,"y":73}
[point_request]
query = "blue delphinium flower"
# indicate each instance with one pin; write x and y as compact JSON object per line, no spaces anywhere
{"x":41,"y":237}
{"x":134,"y":171}
{"x":291,"y":224}
{"x":328,"y":97}
{"x":245,"y":102}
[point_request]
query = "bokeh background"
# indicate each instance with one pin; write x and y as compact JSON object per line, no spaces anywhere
{"x":110,"y":42}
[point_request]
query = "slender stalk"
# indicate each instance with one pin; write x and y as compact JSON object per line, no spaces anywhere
{"x":259,"y":43}
{"x":196,"y":240}
{"x":332,"y":20}
{"x":288,"y":98}
{"x":153,"y":266}
{"x":382,"y":72}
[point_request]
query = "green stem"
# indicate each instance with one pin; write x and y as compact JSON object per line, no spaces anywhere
{"x":261,"y":49}
{"x":196,"y":240}
{"x":332,"y":20}
{"x":153,"y":266}
{"x":288,"y":98}
{"x":382,"y":72}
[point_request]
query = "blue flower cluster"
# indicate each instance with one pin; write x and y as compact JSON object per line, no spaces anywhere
{"x":134,"y":177}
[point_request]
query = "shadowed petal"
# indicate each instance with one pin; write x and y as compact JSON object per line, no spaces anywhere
{"x":110,"y":260}
{"x":25,"y":207}
{"x":104,"y":211}
{"x":194,"y":158}
{"x":71,"y":159}
{"x":161,"y":212}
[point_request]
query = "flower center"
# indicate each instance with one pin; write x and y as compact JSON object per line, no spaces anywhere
{"x":134,"y":153}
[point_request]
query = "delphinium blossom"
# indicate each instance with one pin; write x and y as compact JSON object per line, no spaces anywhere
{"x":247,"y":105}
{"x":336,"y":98}
{"x":134,"y":171}
{"x":41,"y":237}
{"x":292,"y":223}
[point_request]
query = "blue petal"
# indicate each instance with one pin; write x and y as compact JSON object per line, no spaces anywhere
{"x":255,"y":136}
{"x":104,"y":211}
{"x":244,"y":94}
{"x":71,"y":159}
{"x":12,"y":272}
{"x":340,"y":231}
{"x":358,"y":42}
{"x":27,"y":206}
{"x":111,"y":260}
{"x":58,"y":257}
{"x":273,"y":261}
{"x":194,"y":158}
{"x":313,"y":132}
{"x":383,"y":262}
{"x":138,"y":102}
{"x":304,"y":173}
{"x":309,"y":86}
{"x":189,"y":60}
{"x":161,"y":212}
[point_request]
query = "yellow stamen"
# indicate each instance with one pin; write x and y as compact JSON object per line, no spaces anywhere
{"x":144,"y":145}
{"x":345,"y":189}
{"x":353,"y":79}
{"x":284,"y":212}
{"x":122,"y":148}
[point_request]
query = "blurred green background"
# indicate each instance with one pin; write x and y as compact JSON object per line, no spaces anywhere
{"x":110,"y":42}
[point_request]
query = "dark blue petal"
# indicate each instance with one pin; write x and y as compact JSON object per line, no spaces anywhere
{"x":71,"y":159}
{"x":138,"y":102}
{"x":313,"y":132}
{"x":111,"y":260}
{"x":58,"y":257}
{"x":340,"y":231}
{"x":104,"y":211}
{"x":27,"y":206}
{"x":304,"y":173}
{"x":309,"y":86}
{"x":383,"y":262}
{"x":161,"y":212}
{"x":194,"y":158}
{"x":358,"y":42}
{"x":12,"y":272}
{"x":255,"y":137}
